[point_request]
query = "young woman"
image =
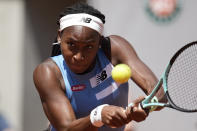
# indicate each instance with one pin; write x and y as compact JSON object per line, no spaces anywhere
{"x":75,"y":86}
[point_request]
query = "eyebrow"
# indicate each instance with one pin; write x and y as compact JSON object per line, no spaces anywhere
{"x":72,"y":38}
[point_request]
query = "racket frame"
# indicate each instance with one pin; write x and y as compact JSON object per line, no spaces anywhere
{"x":163,"y":81}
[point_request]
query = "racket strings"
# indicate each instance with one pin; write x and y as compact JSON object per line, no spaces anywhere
{"x":182,"y":79}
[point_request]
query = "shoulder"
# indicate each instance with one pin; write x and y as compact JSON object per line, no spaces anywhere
{"x":47,"y":76}
{"x":46,"y":68}
{"x":118,"y":41}
{"x":121,"y":49}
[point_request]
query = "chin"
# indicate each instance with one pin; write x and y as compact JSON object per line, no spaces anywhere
{"x":78,"y":70}
{"x":81,"y":69}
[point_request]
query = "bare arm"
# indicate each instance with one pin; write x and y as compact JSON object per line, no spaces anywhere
{"x":123,"y":52}
{"x":55,"y":104}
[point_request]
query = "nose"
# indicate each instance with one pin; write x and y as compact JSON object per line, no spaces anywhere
{"x":78,"y":56}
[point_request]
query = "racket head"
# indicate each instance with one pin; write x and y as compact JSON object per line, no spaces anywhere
{"x":181,"y":94}
{"x":180,"y":79}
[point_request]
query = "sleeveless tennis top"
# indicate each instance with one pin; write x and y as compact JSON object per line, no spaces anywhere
{"x":87,"y":91}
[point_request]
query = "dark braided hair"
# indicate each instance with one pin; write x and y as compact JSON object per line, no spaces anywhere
{"x":81,"y":8}
{"x":75,"y":9}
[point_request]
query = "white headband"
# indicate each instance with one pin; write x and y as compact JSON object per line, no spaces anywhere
{"x":82,"y":19}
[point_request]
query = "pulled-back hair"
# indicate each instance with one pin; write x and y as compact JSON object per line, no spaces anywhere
{"x":81,"y":8}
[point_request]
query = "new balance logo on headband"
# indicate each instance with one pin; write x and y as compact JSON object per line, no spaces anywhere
{"x":87,"y":20}
{"x":83,"y":20}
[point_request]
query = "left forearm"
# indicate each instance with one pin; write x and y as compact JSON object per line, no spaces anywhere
{"x":143,"y":77}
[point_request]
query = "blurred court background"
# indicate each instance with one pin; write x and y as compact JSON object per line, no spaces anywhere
{"x":28,"y":28}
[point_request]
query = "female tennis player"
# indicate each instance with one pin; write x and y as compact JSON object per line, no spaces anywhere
{"x":75,"y":86}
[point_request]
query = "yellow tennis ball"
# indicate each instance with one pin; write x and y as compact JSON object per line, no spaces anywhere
{"x":121,"y":73}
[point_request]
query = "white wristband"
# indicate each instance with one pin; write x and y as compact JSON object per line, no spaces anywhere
{"x":95,"y":116}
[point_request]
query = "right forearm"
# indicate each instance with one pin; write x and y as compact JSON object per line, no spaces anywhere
{"x":82,"y":124}
{"x":90,"y":122}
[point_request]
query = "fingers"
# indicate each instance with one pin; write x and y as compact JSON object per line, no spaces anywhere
{"x":135,"y":112}
{"x":114,"y":116}
{"x":137,"y":102}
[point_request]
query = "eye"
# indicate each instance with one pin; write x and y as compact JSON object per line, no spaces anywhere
{"x":71,"y":44}
{"x":89,"y":46}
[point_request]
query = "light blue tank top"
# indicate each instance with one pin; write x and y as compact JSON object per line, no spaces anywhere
{"x":86,"y":92}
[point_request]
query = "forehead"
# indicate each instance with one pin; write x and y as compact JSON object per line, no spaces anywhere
{"x":80,"y":32}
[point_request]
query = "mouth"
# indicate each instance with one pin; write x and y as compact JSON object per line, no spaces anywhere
{"x":78,"y":65}
{"x":78,"y":68}
{"x":81,"y":67}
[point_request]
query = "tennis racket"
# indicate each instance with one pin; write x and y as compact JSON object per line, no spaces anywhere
{"x":179,"y":82}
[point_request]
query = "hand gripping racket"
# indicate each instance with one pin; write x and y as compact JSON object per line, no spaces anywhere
{"x":179,"y":82}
